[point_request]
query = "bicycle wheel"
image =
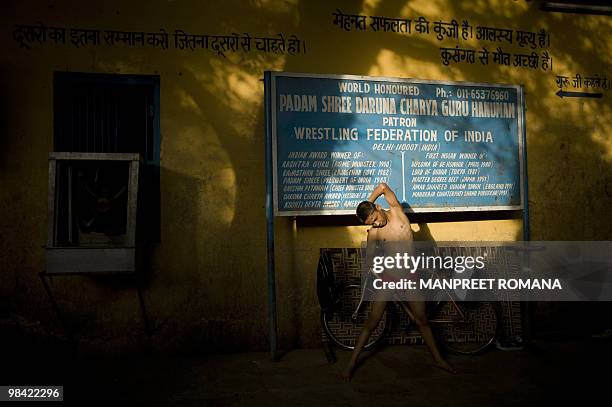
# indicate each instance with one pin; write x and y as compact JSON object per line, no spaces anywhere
{"x":466,"y":328}
{"x":339,"y":326}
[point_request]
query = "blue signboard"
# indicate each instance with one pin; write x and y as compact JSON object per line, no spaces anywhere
{"x":441,"y":146}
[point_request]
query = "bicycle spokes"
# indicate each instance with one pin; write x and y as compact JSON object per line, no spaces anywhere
{"x":466,"y":329}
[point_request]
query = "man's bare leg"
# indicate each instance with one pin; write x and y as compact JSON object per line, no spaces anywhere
{"x":378,"y":309}
{"x":420,"y":318}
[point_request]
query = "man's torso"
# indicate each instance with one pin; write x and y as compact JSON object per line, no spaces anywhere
{"x":396,"y":237}
{"x":397,"y":228}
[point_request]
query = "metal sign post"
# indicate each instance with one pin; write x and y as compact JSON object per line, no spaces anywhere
{"x":272,"y":319}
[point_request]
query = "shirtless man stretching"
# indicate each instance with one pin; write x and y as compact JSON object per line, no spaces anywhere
{"x":392,"y":226}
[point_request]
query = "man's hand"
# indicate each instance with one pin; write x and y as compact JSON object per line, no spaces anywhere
{"x":384,"y":189}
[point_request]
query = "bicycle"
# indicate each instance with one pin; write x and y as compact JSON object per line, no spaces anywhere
{"x":461,"y":327}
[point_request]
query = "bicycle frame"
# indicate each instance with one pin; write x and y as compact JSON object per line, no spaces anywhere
{"x":450,"y":299}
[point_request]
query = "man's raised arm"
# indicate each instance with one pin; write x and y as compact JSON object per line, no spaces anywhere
{"x":383,"y":189}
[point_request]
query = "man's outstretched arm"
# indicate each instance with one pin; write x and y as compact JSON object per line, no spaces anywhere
{"x":383,"y":189}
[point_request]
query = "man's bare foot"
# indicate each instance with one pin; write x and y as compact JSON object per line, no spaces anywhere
{"x":444,"y":365}
{"x":347,"y":374}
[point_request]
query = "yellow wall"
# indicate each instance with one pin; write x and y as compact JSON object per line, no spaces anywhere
{"x":208,"y":284}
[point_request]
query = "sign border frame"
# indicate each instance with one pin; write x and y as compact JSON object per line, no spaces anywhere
{"x":340,"y":212}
